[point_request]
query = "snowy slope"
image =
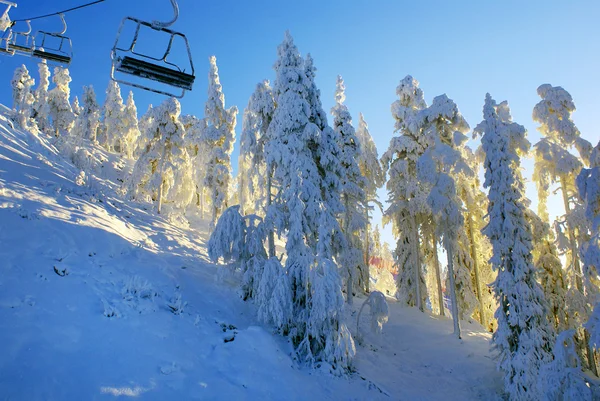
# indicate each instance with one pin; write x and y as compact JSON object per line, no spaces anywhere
{"x":88,"y":284}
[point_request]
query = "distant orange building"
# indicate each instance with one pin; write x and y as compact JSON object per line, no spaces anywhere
{"x":380,"y":263}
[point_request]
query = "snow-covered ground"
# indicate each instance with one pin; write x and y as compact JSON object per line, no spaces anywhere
{"x":102,"y":299}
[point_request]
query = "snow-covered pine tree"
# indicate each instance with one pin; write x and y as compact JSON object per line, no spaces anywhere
{"x":131,"y":132}
{"x":162,"y":174}
{"x":352,"y":192}
{"x":219,"y":136}
{"x":588,"y":184}
{"x":370,"y":168}
{"x":58,"y":102}
{"x":524,"y":336}
{"x":562,"y":379}
{"x":439,"y":165}
{"x":88,"y":120}
{"x":41,"y":109}
{"x":144,"y":123}
{"x":407,"y":195}
{"x":252,"y":166}
{"x":113,"y":124}
{"x":556,"y":165}
{"x":22,"y":97}
{"x":300,"y":212}
{"x":76,"y":107}
{"x":549,"y":271}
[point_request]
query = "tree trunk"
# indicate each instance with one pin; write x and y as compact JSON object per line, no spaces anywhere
{"x":367,"y":265}
{"x":350,"y":282}
{"x":577,"y":267}
{"x":271,"y":235}
{"x":160,"y":187}
{"x":417,"y":259}
{"x":438,"y":276}
{"x":482,"y":318}
{"x":450,"y":254}
{"x":241,"y":186}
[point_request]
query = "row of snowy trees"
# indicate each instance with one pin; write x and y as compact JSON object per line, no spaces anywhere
{"x":178,"y":158}
{"x":436,"y":198}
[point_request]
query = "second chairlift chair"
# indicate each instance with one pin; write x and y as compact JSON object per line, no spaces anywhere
{"x":127,"y":60}
{"x":54,"y":47}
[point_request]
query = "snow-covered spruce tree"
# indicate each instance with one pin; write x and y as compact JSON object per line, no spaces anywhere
{"x":144,"y":124}
{"x":113,"y":119}
{"x":300,"y":212}
{"x":370,"y":168}
{"x":88,"y":120}
{"x":162,"y":174}
{"x":196,"y":147}
{"x":556,"y":165}
{"x":22,"y":97}
{"x":407,"y":194}
{"x":58,"y":102}
{"x":549,"y":271}
{"x":252,"y":166}
{"x":524,"y":336}
{"x":588,"y":184}
{"x":353,"y":195}
{"x":562,"y":379}
{"x":219,"y":136}
{"x":438,"y":166}
{"x":41,"y":109}
{"x":131,"y":132}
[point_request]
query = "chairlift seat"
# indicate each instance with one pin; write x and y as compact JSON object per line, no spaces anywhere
{"x":145,"y":69}
{"x":19,"y":48}
{"x":56,"y":57}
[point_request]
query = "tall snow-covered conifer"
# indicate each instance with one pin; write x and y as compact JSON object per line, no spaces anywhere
{"x":370,"y":168}
{"x":524,"y":337}
{"x":113,"y":124}
{"x":219,"y":136}
{"x":58,"y":102}
{"x":22,"y":97}
{"x":252,"y":165}
{"x":41,"y":109}
{"x":353,"y":194}
{"x":300,"y":211}
{"x":407,"y":194}
{"x":131,"y":131}
{"x":88,"y":120}
{"x":162,"y":174}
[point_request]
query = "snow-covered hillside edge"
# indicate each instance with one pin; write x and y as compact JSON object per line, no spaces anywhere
{"x":100,"y":298}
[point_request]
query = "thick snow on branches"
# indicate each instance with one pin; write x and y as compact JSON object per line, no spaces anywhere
{"x":524,"y":336}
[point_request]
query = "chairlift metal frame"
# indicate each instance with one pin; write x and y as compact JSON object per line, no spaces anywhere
{"x":58,"y":56}
{"x":144,"y":66}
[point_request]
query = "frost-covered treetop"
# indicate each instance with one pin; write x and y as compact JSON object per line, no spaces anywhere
{"x":497,"y":115}
{"x":215,"y":105}
{"x":444,"y":117}
{"x":261,"y":102}
{"x":553,"y":112}
{"x":289,"y":67}
{"x":340,"y":89}
{"x":62,"y":79}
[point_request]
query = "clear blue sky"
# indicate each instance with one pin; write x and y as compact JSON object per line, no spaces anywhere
{"x":463,"y":49}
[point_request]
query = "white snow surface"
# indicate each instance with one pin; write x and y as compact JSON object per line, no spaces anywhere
{"x":101,"y":299}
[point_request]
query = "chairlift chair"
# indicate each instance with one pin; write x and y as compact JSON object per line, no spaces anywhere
{"x":60,"y":54}
{"x":158,"y":69}
{"x":22,"y":42}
